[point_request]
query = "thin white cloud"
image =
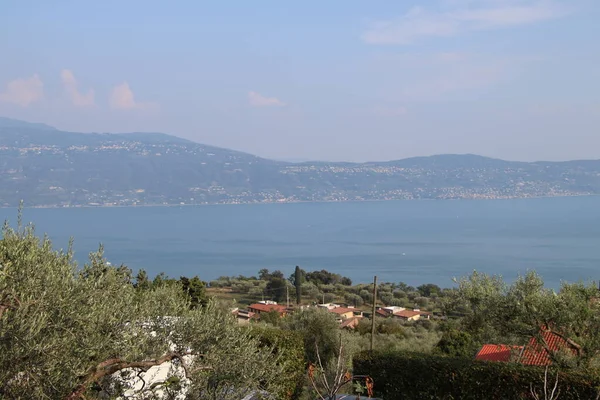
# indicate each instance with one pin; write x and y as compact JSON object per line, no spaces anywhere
{"x":407,"y":78}
{"x":122,"y":98}
{"x":465,"y":17}
{"x":70,"y":84}
{"x":23,"y":91}
{"x":258,"y":100}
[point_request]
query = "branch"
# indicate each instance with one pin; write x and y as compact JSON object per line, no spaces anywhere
{"x":113,"y":365}
{"x":323,"y":374}
{"x":569,"y":341}
{"x":7,"y":304}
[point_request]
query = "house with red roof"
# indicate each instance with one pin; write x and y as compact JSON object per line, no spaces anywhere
{"x":380,"y":312}
{"x":345,"y":312}
{"x":350,"y":323}
{"x":499,"y":352}
{"x":259,"y":308}
{"x":537,"y":351}
{"x":408,"y":315}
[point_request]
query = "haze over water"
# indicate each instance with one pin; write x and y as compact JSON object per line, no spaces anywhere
{"x":411,"y":241}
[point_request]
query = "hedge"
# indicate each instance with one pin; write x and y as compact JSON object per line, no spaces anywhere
{"x":418,"y":376}
{"x":290,"y":345}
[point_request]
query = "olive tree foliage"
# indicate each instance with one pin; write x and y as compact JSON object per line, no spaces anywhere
{"x":497,"y":312}
{"x":321,"y":331}
{"x":67,"y":333}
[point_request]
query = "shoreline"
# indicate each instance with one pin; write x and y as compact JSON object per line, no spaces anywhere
{"x":297,"y":202}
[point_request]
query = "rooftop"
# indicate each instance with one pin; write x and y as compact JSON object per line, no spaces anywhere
{"x":498,"y":352}
{"x":267,"y":307}
{"x":407,"y":313}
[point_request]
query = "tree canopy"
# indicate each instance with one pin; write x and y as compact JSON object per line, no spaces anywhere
{"x":69,"y":332}
{"x":495,"y":311}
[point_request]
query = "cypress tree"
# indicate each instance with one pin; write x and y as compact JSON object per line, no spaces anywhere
{"x":298,"y":284}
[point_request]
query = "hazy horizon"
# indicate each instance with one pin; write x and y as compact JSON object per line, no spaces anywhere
{"x":300,"y":160}
{"x":351,"y":81}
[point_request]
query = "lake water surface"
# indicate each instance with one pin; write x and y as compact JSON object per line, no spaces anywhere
{"x":411,"y":241}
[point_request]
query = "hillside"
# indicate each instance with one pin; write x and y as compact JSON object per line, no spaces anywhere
{"x":48,"y":167}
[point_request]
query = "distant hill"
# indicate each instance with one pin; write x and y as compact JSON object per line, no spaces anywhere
{"x":47,"y":167}
{"x":15,"y":123}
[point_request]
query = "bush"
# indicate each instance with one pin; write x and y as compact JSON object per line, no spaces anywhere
{"x":291,"y":345}
{"x":366,"y":295}
{"x":353,"y":299}
{"x":310,"y":290}
{"x":391,"y":326}
{"x":417,"y":376}
{"x":386,"y":298}
{"x":457,"y":343}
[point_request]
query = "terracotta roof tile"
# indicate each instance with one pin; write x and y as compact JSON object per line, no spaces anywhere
{"x":498,"y":352}
{"x":536,"y":354}
{"x":350,"y":323}
{"x":531,"y":354}
{"x":407,"y":313}
{"x":342,"y":310}
{"x":267,"y":307}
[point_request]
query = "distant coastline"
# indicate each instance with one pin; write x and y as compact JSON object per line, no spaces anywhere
{"x":54,"y":169}
{"x":298,"y":202}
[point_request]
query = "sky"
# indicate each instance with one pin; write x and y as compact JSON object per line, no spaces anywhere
{"x":314,"y":80}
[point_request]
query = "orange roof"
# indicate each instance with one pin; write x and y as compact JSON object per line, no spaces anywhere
{"x":536,"y":354}
{"x":497,"y":352}
{"x":382,"y":312}
{"x":267,"y":307}
{"x":407,"y":313}
{"x":531,"y":354}
{"x":350,"y":323}
{"x":342,"y":310}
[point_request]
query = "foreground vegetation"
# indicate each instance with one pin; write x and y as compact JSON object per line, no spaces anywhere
{"x":98,"y":331}
{"x":66,"y":332}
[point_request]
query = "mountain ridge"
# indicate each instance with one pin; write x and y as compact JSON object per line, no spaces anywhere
{"x":48,"y":167}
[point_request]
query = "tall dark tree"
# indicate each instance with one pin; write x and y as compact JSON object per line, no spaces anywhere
{"x":195,"y":289}
{"x":264,"y":274}
{"x":298,"y":284}
{"x":141,"y":280}
{"x":276,"y":288}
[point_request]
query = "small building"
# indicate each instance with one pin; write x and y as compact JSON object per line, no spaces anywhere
{"x":328,"y":306}
{"x":380,"y":312}
{"x":259,"y":308}
{"x":499,"y":352}
{"x":345,"y":313}
{"x":424,"y":314}
{"x":408,"y":315}
{"x":534,"y":353}
{"x":244,"y":316}
{"x":393,"y":309}
{"x":350,"y":323}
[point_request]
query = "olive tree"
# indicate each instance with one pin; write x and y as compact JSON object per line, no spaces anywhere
{"x":496,"y":311}
{"x":75,"y":333}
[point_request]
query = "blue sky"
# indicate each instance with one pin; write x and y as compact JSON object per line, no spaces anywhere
{"x":328,"y":80}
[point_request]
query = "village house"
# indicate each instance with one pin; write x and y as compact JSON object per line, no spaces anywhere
{"x":402,"y":313}
{"x":350,"y":323}
{"x":263,"y":307}
{"x":408,"y":315}
{"x":392,"y":309}
{"x":534,"y":353}
{"x":346,"y":312}
{"x":243,"y":316}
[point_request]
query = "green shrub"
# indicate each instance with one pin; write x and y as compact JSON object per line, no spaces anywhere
{"x":457,"y":343}
{"x":290,"y":344}
{"x":417,"y":376}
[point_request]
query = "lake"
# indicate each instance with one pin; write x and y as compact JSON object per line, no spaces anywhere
{"x":411,"y":241}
